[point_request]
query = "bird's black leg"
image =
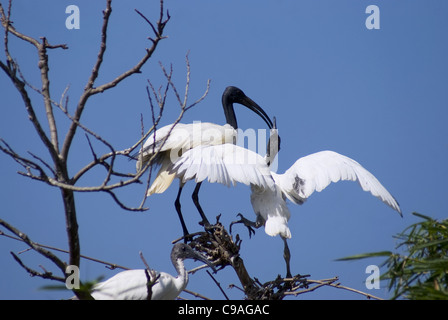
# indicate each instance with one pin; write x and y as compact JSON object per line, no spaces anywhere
{"x":287,"y":257}
{"x":250,"y":225}
{"x":195,"y":198}
{"x":179,"y":213}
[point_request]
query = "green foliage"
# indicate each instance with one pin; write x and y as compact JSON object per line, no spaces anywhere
{"x":421,"y":271}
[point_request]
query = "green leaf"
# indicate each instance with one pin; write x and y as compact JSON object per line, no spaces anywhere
{"x":422,"y":216}
{"x":430,"y":244}
{"x":366,"y":255}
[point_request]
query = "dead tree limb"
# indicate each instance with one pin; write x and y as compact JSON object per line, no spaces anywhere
{"x":57,"y":174}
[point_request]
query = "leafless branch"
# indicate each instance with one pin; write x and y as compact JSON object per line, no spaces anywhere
{"x":195,"y":294}
{"x":151,"y":276}
{"x":161,"y":99}
{"x":34,"y":273}
{"x":36,"y":166}
{"x":49,"y":255}
{"x":43,"y":162}
{"x":331,"y":283}
{"x":108,"y":265}
{"x":43,"y":66}
{"x":27,"y":164}
{"x":183,"y":103}
{"x":91,"y":90}
{"x":218,"y":285}
{"x":64,"y":182}
{"x":20,"y":86}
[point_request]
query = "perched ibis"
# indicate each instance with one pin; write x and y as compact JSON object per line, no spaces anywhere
{"x":169,"y":142}
{"x":133,"y":284}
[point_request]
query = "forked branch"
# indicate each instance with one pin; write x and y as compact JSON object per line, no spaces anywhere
{"x":90,"y":90}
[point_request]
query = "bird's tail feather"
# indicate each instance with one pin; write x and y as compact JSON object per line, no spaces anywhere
{"x":277,"y":225}
{"x":162,"y":181}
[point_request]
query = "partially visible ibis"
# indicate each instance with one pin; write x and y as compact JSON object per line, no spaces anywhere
{"x":134,"y":284}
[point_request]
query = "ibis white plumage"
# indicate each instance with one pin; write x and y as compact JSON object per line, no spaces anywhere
{"x":230,"y":164}
{"x":133,"y":284}
{"x":169,"y":142}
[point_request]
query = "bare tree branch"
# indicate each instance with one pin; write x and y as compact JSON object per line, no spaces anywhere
{"x":218,"y":285}
{"x":34,"y":245}
{"x":49,"y":255}
{"x":24,"y":162}
{"x":90,"y":90}
{"x":195,"y":294}
{"x":34,"y":273}
{"x":109,"y":265}
{"x":60,"y":176}
{"x":43,"y":66}
{"x":20,"y":86}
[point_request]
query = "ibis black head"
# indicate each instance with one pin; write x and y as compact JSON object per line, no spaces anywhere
{"x":183,"y":251}
{"x":233,"y":95}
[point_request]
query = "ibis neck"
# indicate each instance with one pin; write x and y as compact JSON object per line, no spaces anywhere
{"x":229,"y":113}
{"x":182,"y":277}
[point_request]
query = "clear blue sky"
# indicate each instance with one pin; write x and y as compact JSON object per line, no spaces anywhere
{"x":377,"y":96}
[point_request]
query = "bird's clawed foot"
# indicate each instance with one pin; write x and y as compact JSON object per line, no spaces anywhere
{"x":250,"y":225}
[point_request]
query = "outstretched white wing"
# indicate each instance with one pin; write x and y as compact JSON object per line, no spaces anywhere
{"x":316,"y":171}
{"x":226,"y":164}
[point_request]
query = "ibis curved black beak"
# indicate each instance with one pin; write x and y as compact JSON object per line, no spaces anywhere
{"x":184,"y":251}
{"x":249,"y":103}
{"x":190,"y":253}
{"x":200,"y":257}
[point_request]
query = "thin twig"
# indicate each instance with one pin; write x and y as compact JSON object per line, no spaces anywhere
{"x":218,"y":284}
{"x":34,"y":273}
{"x":161,"y":100}
{"x":331,"y":283}
{"x":109,"y":265}
{"x":195,"y":294}
{"x":368,"y":295}
{"x":91,"y":90}
{"x":151,"y":276}
{"x":34,"y":245}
